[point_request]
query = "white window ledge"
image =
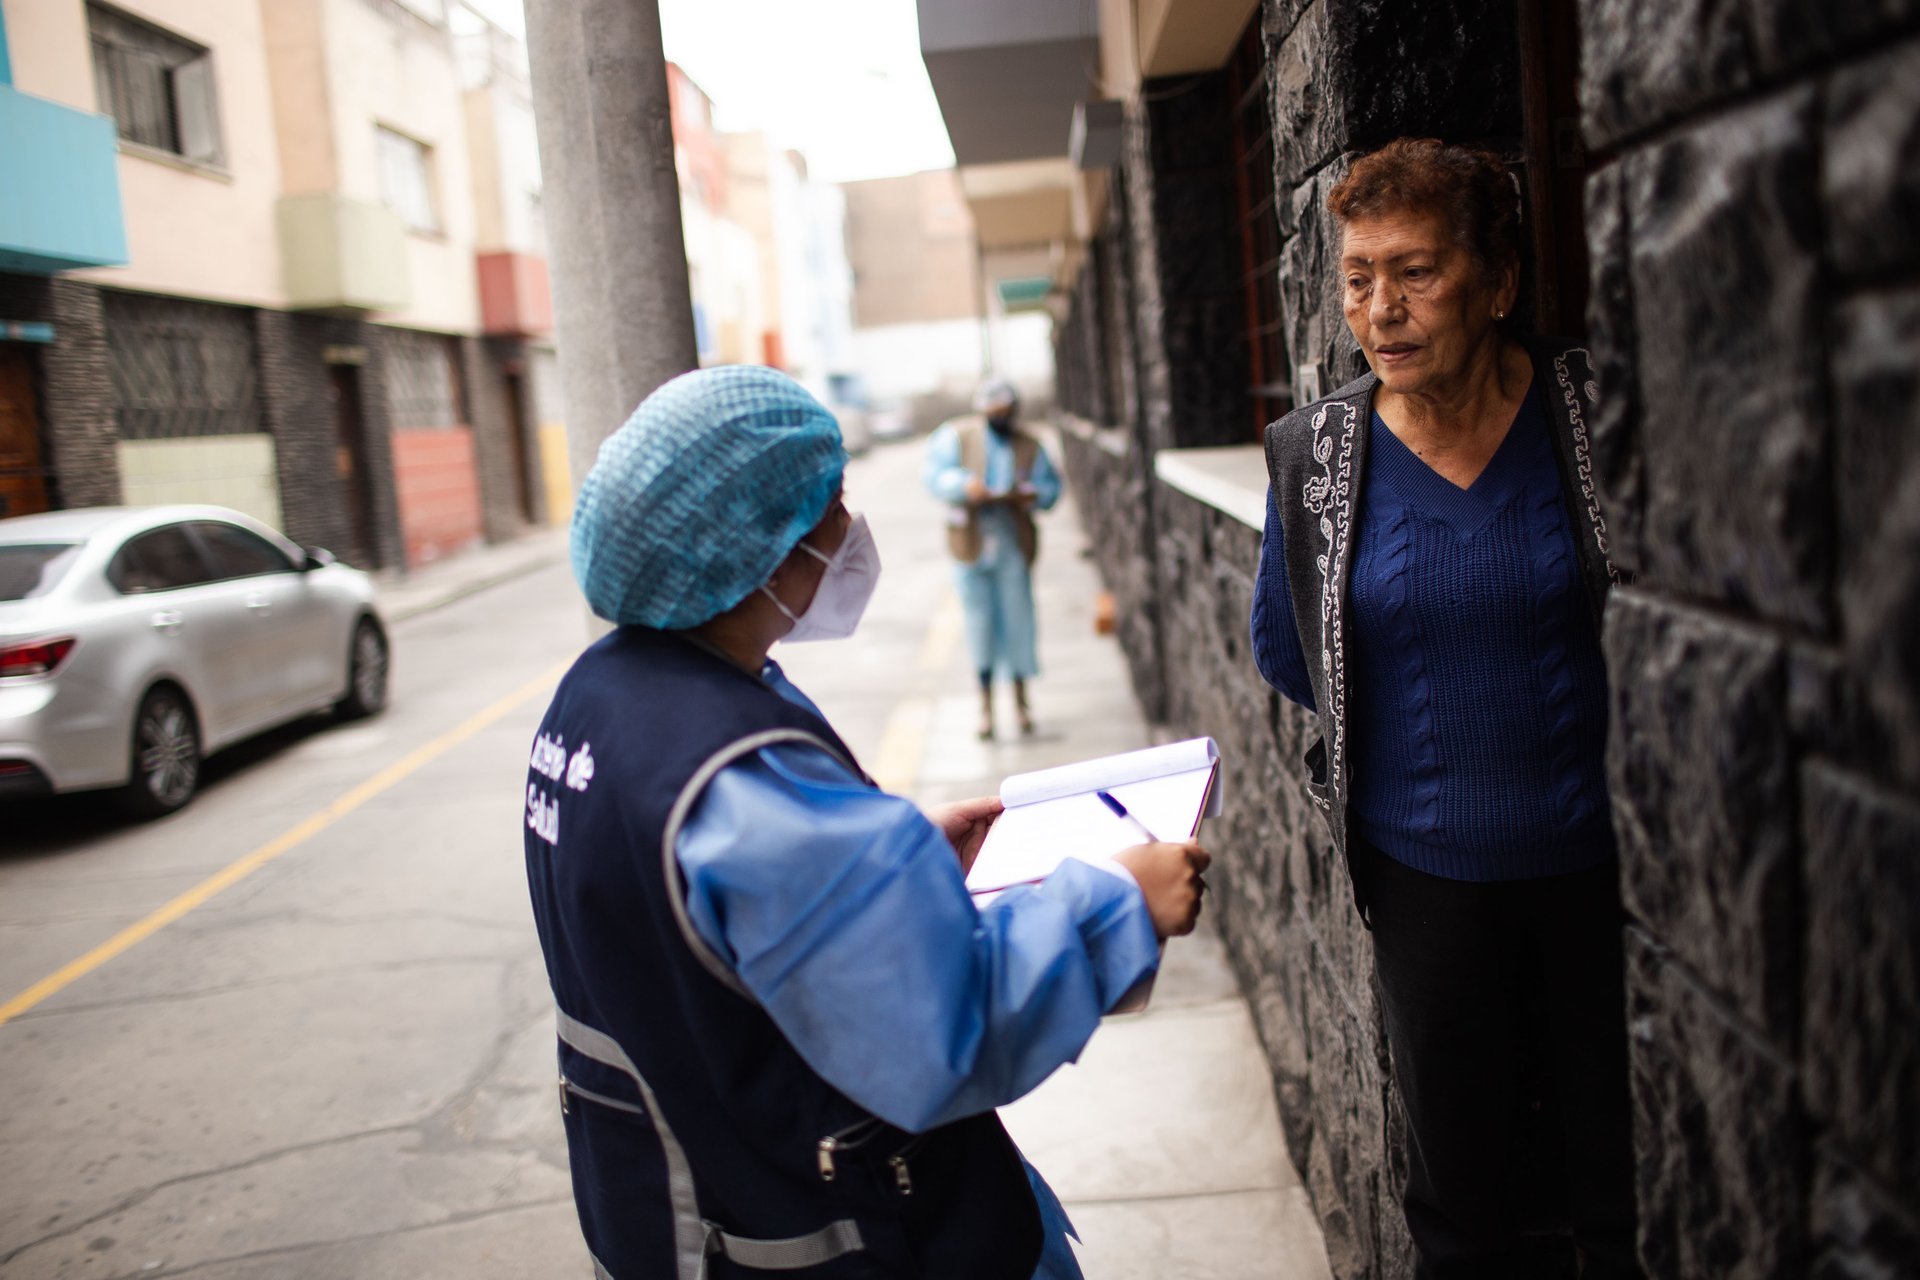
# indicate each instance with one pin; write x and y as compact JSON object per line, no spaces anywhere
{"x":1232,"y":480}
{"x":174,"y":160}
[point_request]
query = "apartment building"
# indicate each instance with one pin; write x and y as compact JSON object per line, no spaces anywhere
{"x":510,"y":246}
{"x":322,"y":308}
{"x":726,"y":265}
{"x":766,"y":249}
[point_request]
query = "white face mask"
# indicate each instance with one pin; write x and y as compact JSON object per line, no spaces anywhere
{"x":846,"y":585}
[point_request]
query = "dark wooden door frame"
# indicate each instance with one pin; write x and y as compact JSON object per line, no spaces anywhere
{"x":24,"y":476}
{"x":350,"y":443}
{"x":1557,"y":162}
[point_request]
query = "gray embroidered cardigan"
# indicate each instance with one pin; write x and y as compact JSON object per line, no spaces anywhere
{"x":1316,"y":459}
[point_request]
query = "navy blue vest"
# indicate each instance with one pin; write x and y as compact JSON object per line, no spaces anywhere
{"x":694,"y":1128}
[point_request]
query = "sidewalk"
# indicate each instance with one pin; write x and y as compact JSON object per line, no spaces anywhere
{"x":464,"y":573}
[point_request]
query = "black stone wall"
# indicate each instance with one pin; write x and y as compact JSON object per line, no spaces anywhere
{"x":1156,"y":350}
{"x":1184,"y":282}
{"x":1104,"y":386}
{"x":1756,"y":325}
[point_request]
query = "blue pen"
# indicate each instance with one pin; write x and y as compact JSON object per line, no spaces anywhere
{"x":1120,"y":812}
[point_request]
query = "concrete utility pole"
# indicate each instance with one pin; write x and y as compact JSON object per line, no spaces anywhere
{"x":621,"y":298}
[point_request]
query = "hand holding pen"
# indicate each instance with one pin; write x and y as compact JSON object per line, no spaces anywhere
{"x":1168,"y":874}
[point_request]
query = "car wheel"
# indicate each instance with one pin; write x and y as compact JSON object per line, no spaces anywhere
{"x":166,"y":755}
{"x":367,"y":669}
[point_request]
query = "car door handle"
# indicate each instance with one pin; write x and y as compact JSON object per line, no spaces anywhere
{"x":259,"y":604}
{"x":169,"y":621}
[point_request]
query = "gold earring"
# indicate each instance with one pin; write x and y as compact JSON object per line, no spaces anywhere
{"x":1499,"y":314}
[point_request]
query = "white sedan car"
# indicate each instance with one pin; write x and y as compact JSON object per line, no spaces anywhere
{"x":134,"y":641}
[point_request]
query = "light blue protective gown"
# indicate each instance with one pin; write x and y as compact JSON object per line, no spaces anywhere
{"x":996,"y":590}
{"x":843,"y":910}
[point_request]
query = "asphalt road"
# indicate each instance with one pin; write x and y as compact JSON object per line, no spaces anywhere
{"x":339,"y":1063}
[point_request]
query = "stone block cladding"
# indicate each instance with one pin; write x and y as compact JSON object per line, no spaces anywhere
{"x":1755,"y":326}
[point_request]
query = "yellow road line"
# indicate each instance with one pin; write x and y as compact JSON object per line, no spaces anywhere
{"x":896,"y":765}
{"x":943,"y":635}
{"x":286,"y":841}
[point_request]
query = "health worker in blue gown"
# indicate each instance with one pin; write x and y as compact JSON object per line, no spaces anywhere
{"x":993,"y":475}
{"x":784,"y":1025}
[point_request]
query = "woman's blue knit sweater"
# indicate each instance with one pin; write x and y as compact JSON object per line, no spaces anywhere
{"x":1476,"y":691}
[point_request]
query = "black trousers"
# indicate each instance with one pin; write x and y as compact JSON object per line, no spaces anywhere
{"x":1494,"y":992}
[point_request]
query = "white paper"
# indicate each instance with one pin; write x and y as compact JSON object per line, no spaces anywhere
{"x":1108,"y":772}
{"x":1054,"y":814}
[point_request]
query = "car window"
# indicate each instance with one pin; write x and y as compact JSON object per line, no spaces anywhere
{"x":234,"y":552}
{"x":162,"y":560}
{"x":33,"y":569}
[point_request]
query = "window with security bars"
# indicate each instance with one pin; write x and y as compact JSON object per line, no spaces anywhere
{"x":157,"y":87}
{"x":180,"y":368}
{"x":1269,"y":389}
{"x":423,"y":380}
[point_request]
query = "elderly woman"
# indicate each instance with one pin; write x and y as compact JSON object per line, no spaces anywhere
{"x":1431,"y":583}
{"x":783,"y":1024}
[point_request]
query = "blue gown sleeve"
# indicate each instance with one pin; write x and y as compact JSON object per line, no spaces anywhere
{"x":843,"y":911}
{"x":1046,"y":481}
{"x":1276,"y":636}
{"x":942,"y":473}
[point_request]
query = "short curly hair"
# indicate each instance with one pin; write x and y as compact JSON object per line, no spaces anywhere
{"x":1475,"y":194}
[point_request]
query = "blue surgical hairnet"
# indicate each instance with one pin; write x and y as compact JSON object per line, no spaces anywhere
{"x":697,"y":499}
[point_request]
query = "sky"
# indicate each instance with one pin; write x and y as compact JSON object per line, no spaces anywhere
{"x":840,"y":81}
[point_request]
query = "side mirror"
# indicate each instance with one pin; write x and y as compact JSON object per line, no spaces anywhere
{"x":316,"y":558}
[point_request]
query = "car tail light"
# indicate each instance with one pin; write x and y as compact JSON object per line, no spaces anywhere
{"x":36,"y":659}
{"x":14,"y":768}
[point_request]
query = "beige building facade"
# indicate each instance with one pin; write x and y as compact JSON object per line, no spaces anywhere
{"x":298,"y":328}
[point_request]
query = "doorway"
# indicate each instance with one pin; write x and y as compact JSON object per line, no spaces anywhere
{"x":350,"y":463}
{"x":517,"y":441}
{"x":23,"y":472}
{"x":1557,"y":163}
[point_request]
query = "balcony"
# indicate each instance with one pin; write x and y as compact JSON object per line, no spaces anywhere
{"x":342,"y":255}
{"x":60,"y":197}
{"x":1007,"y":73}
{"x":515,"y":299}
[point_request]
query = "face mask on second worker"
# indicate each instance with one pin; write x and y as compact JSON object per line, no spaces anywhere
{"x":846,"y":585}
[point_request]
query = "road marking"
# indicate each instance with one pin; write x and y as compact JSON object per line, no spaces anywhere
{"x":285,"y":842}
{"x":896,"y":765}
{"x":943,"y":635}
